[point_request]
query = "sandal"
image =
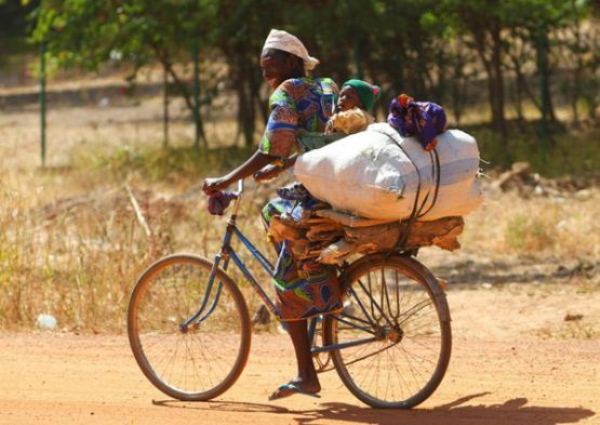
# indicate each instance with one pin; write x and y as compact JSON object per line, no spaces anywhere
{"x":290,"y":389}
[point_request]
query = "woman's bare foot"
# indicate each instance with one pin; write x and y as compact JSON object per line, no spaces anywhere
{"x":309,"y":385}
{"x":306,"y":382}
{"x":297,"y":386}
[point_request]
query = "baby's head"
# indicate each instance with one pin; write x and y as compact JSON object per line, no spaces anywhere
{"x":357,"y":94}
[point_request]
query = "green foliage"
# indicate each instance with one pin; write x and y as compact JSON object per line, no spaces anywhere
{"x":13,"y":27}
{"x":571,"y":153}
{"x":88,"y":34}
{"x":431,"y":49}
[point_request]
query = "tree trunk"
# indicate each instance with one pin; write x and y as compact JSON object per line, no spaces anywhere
{"x":576,"y":92}
{"x":542,"y":48}
{"x":523,"y":85}
{"x":255,"y":81}
{"x":181,"y":86}
{"x":458,"y":87}
{"x":198,"y":124}
{"x":440,"y":89}
{"x":578,"y":71}
{"x":498,"y":116}
{"x":246,"y":111}
{"x":493,"y":70}
{"x":518,"y":88}
{"x":421,"y":74}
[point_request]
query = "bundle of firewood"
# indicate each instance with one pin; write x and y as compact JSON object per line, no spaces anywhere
{"x":328,"y":236}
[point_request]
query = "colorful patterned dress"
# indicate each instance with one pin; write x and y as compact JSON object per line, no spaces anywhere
{"x":299,"y":104}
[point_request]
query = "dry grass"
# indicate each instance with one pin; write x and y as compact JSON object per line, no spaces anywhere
{"x":570,"y":330}
{"x":71,"y":246}
{"x":78,"y":258}
{"x":561,"y":228}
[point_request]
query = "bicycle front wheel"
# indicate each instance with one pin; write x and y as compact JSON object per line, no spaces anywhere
{"x":395,"y":330}
{"x":203,"y":359}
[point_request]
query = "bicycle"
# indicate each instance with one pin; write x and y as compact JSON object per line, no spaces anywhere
{"x":190,"y":332}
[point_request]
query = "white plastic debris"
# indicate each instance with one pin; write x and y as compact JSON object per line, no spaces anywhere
{"x":46,"y":322}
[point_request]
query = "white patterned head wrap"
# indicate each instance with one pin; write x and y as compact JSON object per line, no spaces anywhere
{"x":283,"y":40}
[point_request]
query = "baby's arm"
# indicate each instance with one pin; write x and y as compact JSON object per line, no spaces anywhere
{"x":350,"y":121}
{"x":330,"y":126}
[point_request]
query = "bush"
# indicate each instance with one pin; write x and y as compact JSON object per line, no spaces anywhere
{"x":529,"y":234}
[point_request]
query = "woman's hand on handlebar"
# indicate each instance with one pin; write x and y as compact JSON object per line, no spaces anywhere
{"x":214,"y":184}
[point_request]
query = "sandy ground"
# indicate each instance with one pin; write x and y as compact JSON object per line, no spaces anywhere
{"x":510,"y":365}
{"x":515,"y":359}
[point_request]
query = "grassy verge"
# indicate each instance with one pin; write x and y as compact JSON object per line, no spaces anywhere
{"x":156,"y":164}
{"x":573,"y":152}
{"x":71,"y":245}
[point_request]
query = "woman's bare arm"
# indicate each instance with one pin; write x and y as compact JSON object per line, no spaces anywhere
{"x":271,"y":171}
{"x":257,"y":161}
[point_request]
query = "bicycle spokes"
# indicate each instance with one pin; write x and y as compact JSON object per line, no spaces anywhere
{"x":395,"y":342}
{"x":189,"y":333}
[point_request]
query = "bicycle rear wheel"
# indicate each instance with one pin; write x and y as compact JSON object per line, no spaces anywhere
{"x":202,"y":360}
{"x":397,"y":304}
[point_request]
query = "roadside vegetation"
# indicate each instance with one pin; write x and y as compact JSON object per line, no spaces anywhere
{"x":72,"y":245}
{"x":185,"y":100}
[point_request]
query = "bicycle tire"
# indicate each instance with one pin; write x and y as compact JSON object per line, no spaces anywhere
{"x":150,"y":321}
{"x":431,"y":295}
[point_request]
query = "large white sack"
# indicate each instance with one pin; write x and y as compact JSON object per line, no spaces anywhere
{"x":369,"y":175}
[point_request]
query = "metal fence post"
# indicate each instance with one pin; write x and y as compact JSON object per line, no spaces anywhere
{"x":196,"y":89}
{"x":165,"y":108}
{"x":43,"y":102}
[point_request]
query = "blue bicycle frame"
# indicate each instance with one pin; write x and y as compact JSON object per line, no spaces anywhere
{"x":227,"y":253}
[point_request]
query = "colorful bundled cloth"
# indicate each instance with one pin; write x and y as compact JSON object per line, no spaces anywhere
{"x":425,"y":120}
{"x":297,"y":104}
{"x":294,"y":192}
{"x":219,"y":201}
{"x":302,"y":294}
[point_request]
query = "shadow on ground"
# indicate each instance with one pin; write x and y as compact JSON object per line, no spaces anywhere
{"x":470,"y":272}
{"x":511,"y":412}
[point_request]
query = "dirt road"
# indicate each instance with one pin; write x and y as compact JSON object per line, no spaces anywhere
{"x":501,"y":372}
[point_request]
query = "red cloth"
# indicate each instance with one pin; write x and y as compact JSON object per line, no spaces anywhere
{"x":219,"y":201}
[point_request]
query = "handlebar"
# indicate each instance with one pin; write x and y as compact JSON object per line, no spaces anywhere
{"x":238,"y":198}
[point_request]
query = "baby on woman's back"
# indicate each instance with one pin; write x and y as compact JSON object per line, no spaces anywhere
{"x":354,"y":107}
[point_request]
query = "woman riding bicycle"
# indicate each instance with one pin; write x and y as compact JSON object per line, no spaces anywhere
{"x":299,"y":102}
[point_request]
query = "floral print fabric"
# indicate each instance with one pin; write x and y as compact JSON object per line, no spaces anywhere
{"x":301,"y":295}
{"x":297,"y":104}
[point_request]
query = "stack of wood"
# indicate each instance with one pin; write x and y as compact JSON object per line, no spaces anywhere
{"x":328,"y":236}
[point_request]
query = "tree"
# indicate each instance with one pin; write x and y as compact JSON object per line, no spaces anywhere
{"x":431,"y":49}
{"x":575,"y":50}
{"x":484,"y":22}
{"x":90,"y":34}
{"x":13,"y":27}
{"x":239,"y":33}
